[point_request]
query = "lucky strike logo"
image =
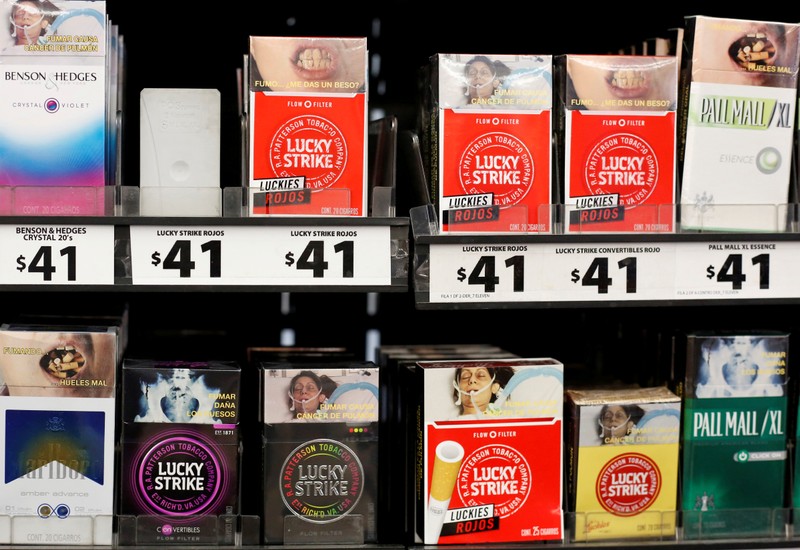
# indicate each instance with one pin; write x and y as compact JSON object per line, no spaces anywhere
{"x":497,"y":163}
{"x":309,"y":146}
{"x":495,"y":474}
{"x":322,"y":480}
{"x":178,"y":476}
{"x":622,"y":164}
{"x":628,"y":484}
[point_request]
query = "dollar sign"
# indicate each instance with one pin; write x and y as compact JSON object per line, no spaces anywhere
{"x":710,"y":271}
{"x":462,"y":274}
{"x":21,"y":263}
{"x":156,"y":258}
{"x":289,"y":258}
{"x":575,"y":277}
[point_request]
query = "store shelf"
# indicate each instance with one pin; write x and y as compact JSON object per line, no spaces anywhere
{"x":593,"y":270}
{"x":289,"y":254}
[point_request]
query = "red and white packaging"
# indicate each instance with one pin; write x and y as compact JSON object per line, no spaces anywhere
{"x":307,"y":119}
{"x":489,"y":440}
{"x":488,"y":132}
{"x":619,"y":142}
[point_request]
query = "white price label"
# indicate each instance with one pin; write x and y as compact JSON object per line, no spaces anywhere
{"x":57,"y":254}
{"x":610,"y":271}
{"x":177,"y":255}
{"x":726,"y":270}
{"x":548,"y":272}
{"x":261,"y":255}
{"x":327,"y":255}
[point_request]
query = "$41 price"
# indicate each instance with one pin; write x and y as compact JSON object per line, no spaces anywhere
{"x":313,"y":258}
{"x":731,"y":271}
{"x":42,"y":262}
{"x":597,"y":275}
{"x":180,"y":257}
{"x":484,"y":273}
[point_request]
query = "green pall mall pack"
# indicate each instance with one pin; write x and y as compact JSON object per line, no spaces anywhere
{"x":734,"y":433}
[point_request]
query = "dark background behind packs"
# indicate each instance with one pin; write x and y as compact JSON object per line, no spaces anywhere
{"x":196,"y":45}
{"x":193,"y":45}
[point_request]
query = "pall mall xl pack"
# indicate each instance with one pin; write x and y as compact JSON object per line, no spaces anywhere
{"x":735,"y":407}
{"x":486,"y":125}
{"x":307,"y":115}
{"x":739,"y":87}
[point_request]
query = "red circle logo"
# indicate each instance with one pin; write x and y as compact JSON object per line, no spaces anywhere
{"x":495,"y":474}
{"x":624,"y":165}
{"x":310,"y":146}
{"x":497,"y":163}
{"x":628,"y":484}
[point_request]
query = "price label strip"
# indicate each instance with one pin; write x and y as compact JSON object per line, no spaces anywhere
{"x":548,"y":272}
{"x":57,"y":254}
{"x":729,"y":270}
{"x":347,"y":256}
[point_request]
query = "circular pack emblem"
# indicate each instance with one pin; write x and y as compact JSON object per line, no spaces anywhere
{"x":624,"y":165}
{"x":495,"y":474}
{"x":497,"y":163}
{"x":179,"y":476}
{"x":322,"y":480}
{"x":309,"y":146}
{"x":628,"y":484}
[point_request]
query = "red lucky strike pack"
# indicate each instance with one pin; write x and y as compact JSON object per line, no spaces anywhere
{"x":619,"y":141}
{"x":308,"y":126}
{"x":487,"y":141}
{"x":489,"y":446}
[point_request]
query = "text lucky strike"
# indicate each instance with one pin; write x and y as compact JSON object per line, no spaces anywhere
{"x":494,"y":480}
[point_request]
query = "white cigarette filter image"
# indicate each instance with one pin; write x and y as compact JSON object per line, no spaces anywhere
{"x":446,"y":465}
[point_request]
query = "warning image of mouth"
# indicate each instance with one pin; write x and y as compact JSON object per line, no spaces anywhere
{"x":322,"y":480}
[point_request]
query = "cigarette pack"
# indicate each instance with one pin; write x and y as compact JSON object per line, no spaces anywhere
{"x":737,"y":123}
{"x":489,"y":454}
{"x":321,"y":452}
{"x":487,"y":129}
{"x":57,"y":422}
{"x":180,"y":452}
{"x":734,"y":428}
{"x":308,"y":126}
{"x":56,"y":59}
{"x":395,"y":361}
{"x":622,"y":476}
{"x":618,"y":142}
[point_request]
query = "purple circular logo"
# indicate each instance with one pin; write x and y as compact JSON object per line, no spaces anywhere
{"x":179,"y":476}
{"x":51,"y":105}
{"x":166,"y":529}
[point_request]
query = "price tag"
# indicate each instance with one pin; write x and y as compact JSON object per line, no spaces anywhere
{"x":548,"y":272}
{"x":57,"y":254}
{"x":609,"y":271}
{"x":178,"y":255}
{"x":726,"y":270}
{"x":268,"y":255}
